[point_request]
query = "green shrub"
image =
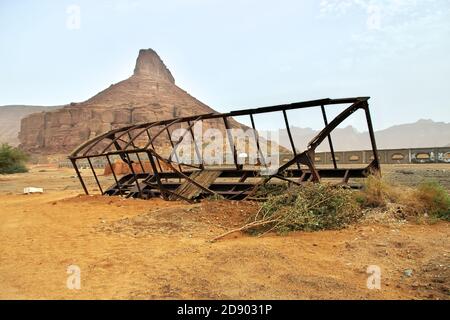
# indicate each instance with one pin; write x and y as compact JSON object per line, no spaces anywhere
{"x":12,"y":160}
{"x":311,"y":207}
{"x":434,"y":199}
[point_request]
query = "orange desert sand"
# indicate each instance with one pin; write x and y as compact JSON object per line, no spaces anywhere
{"x":138,"y":249}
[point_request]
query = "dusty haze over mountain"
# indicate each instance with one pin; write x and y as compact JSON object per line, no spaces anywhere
{"x":421,"y":134}
{"x":150,"y":94}
{"x":10,"y":117}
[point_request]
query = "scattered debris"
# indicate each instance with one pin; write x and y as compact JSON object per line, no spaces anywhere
{"x":30,"y":190}
{"x":408,"y":273}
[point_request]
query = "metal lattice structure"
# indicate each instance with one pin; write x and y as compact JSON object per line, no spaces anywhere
{"x":150,"y":173}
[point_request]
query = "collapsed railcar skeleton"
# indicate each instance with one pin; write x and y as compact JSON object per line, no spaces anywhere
{"x":169,"y":180}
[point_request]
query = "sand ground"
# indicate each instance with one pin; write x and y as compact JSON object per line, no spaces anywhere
{"x":137,"y":249}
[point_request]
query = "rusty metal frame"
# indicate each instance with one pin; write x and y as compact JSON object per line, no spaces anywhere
{"x":149,"y":184}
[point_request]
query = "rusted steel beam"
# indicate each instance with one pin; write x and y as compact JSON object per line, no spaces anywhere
{"x":230,"y":140}
{"x":165,"y":128}
{"x":286,"y":121}
{"x":257,"y":140}
{"x":114,"y":174}
{"x":150,"y":142}
{"x":376,"y":162}
{"x":95,"y":175}
{"x":180,"y":140}
{"x":156,"y":175}
{"x":197,"y":151}
{"x":333,"y":124}
{"x":80,"y":178}
{"x":114,"y":139}
{"x":330,"y":142}
{"x":137,"y":154}
{"x":171,"y":143}
{"x":130,"y":165}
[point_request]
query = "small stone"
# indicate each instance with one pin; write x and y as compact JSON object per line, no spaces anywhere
{"x":408,"y":272}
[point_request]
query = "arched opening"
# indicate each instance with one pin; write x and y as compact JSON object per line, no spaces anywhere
{"x":397,"y":156}
{"x":423,"y":156}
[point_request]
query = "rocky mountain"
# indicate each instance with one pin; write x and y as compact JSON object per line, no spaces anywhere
{"x":10,"y":117}
{"x":150,"y":94}
{"x":423,"y":133}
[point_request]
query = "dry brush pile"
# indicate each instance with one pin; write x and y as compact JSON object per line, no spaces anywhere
{"x":316,"y":206}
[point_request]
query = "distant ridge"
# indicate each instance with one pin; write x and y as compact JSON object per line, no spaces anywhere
{"x":421,"y":134}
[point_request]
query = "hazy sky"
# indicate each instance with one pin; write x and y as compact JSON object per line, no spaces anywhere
{"x":236,"y":54}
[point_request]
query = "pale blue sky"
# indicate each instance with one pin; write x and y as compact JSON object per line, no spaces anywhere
{"x":236,"y":54}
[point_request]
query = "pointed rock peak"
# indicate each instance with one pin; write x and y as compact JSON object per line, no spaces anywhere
{"x":149,"y":64}
{"x":425,"y":121}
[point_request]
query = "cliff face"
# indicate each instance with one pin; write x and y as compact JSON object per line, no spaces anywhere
{"x":10,"y":117}
{"x":150,"y":94}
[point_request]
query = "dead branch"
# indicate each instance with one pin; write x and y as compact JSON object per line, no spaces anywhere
{"x":243,"y":228}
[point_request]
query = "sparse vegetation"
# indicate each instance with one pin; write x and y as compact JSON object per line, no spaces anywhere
{"x":12,"y":160}
{"x":317,"y":206}
{"x":429,"y":199}
{"x":377,"y":193}
{"x":435,"y":200}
